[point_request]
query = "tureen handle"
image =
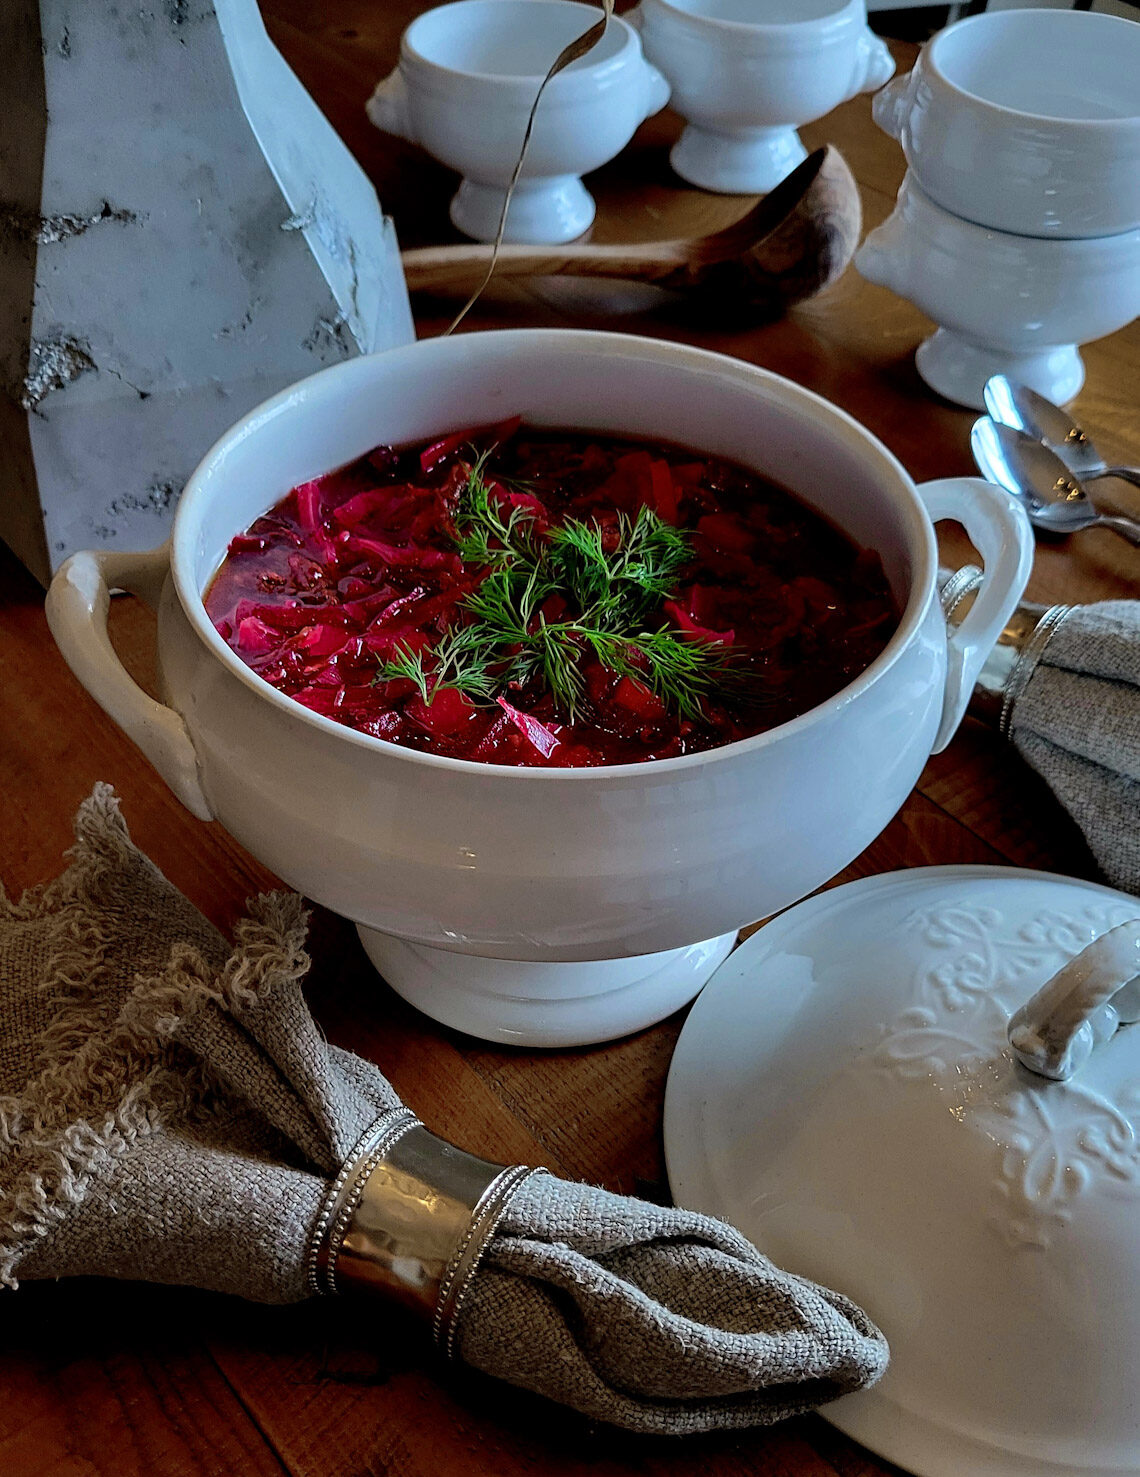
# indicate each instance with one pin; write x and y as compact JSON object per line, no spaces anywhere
{"x":1054,"y":1033}
{"x":657,"y":88}
{"x":1000,"y":532}
{"x":77,"y":606}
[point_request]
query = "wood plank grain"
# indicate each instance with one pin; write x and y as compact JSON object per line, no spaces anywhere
{"x":112,"y":1380}
{"x":349,"y":1389}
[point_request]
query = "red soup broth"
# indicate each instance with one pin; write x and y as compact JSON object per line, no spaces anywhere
{"x":346,"y":594}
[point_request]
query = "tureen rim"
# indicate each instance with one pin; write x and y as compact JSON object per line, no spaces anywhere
{"x":923,"y":588}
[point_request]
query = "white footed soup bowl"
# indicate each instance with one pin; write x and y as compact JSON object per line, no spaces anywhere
{"x":548,"y":906}
{"x":1026,"y":120}
{"x":1012,"y":305}
{"x":467,"y":79}
{"x":746,"y":74}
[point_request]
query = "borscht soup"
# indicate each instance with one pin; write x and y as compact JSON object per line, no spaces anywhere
{"x":535,"y":597}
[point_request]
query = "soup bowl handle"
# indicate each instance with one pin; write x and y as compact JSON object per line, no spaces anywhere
{"x":889,"y":107}
{"x":77,"y":606}
{"x":657,"y":89}
{"x":876,"y":64}
{"x":1000,"y":531}
{"x":390,"y":107}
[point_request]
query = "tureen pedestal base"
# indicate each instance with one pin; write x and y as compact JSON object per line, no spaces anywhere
{"x":958,"y":368}
{"x":535,"y":1004}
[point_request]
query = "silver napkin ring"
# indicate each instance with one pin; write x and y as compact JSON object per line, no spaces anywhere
{"x":409,"y":1218}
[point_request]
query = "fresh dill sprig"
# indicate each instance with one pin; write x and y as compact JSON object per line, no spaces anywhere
{"x":559,"y":653}
{"x":681,"y":673}
{"x":504,"y":604}
{"x":484,"y":535}
{"x":618,"y":588}
{"x":611,"y":583}
{"x":408,"y":665}
{"x":466,"y":657}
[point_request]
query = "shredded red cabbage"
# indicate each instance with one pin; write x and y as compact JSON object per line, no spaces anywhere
{"x":357,"y":570}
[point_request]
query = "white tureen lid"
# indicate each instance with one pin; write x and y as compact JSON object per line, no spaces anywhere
{"x":846,"y":1094}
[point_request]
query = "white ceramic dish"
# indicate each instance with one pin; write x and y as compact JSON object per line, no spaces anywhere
{"x":746,"y":74}
{"x":549,"y":867}
{"x":844,"y":1092}
{"x":467,"y":78}
{"x":1026,"y":120}
{"x":1012,"y":305}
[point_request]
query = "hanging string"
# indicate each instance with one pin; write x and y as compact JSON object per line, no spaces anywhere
{"x":577,"y":48}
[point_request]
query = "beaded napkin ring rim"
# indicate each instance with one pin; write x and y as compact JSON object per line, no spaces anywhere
{"x":344,"y":1195}
{"x":1027,"y":660}
{"x":461,"y":1270}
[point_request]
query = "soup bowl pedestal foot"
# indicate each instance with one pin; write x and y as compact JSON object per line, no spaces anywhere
{"x":1004,"y":303}
{"x":521,"y":1003}
{"x":958,"y":368}
{"x":747,"y":161}
{"x":542,"y":211}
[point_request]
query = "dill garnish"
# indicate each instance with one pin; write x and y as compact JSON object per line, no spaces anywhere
{"x":609,"y":583}
{"x":408,"y":665}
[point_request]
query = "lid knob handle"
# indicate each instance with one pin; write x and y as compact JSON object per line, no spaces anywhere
{"x":1055,"y":1032}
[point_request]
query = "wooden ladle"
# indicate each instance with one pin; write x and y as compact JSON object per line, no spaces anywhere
{"x":795,"y":241}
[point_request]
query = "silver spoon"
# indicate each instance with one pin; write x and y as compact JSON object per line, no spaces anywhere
{"x":1053,"y":498}
{"x":1025,"y":410}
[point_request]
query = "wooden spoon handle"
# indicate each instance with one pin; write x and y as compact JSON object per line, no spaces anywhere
{"x":438,"y":268}
{"x":794,"y":241}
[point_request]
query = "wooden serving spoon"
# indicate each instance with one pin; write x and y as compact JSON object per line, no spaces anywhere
{"x":795,"y":241}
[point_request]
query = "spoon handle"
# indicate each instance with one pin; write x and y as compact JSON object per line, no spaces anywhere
{"x":1127,"y":528}
{"x":1125,"y":474}
{"x":437,"y":268}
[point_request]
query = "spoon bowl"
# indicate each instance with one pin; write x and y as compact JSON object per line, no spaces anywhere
{"x":1016,"y":405}
{"x":1051,"y":495}
{"x":791,"y":244}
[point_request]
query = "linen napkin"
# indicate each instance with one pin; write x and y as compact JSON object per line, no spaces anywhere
{"x":1073,"y":713}
{"x":169,"y":1111}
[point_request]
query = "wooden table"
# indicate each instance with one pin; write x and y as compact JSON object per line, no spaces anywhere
{"x":124,"y":1379}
